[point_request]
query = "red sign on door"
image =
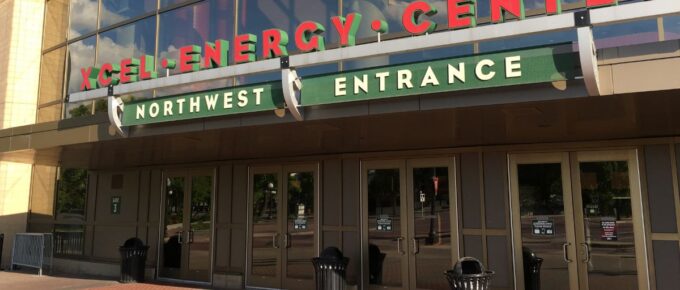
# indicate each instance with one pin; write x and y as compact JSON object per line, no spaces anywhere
{"x":435,"y":179}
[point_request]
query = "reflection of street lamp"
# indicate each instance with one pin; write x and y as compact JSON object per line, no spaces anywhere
{"x":270,"y":198}
{"x":431,"y":233}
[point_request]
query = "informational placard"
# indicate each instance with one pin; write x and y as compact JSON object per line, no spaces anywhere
{"x":543,"y":227}
{"x":115,"y":204}
{"x":300,"y":223}
{"x":384,"y":223}
{"x":609,"y":229}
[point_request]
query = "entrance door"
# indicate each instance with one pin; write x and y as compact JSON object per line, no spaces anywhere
{"x":409,"y":225}
{"x":186,"y":243}
{"x":283,"y":237}
{"x":580,"y":213}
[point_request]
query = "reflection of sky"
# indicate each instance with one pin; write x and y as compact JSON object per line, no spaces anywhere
{"x":671,"y":26}
{"x":114,"y":11}
{"x":83,"y":17}
{"x":621,"y":34}
{"x":132,"y":40}
{"x":390,"y":11}
{"x":80,"y":55}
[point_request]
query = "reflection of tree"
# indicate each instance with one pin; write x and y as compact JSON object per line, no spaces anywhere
{"x":300,"y":191}
{"x":201,"y":192}
{"x":540,"y":187}
{"x":605,"y":184}
{"x":383,"y":186}
{"x":72,"y":191}
{"x":174,"y":208}
{"x":264,"y":197}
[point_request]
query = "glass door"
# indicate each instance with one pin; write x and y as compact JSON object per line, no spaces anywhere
{"x":608,"y":216}
{"x":283,"y":237}
{"x":186,"y":243}
{"x":432,"y":224}
{"x":543,"y":219}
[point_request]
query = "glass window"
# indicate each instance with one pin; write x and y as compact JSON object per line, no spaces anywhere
{"x":256,"y":16}
{"x":69,"y":239}
{"x":81,"y":54}
{"x":671,"y":27}
{"x":114,"y":11}
{"x":432,"y":54}
{"x":52,"y":76}
{"x":56,"y":23}
{"x":389,"y":11}
{"x":83,"y":17}
{"x":165,"y":3}
{"x":72,"y":195}
{"x":194,"y":25}
{"x":628,"y":33}
{"x":132,"y":40}
{"x":554,"y":38}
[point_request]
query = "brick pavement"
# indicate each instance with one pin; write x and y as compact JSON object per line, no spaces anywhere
{"x":31,"y":281}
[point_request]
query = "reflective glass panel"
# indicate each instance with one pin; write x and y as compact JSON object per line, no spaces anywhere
{"x":628,"y":33}
{"x":671,"y":27}
{"x":555,"y":38}
{"x":386,"y":247}
{"x":173,"y":229}
{"x":81,"y":55}
{"x":165,"y":3}
{"x":114,"y":11}
{"x":69,"y":239}
{"x":542,"y":219}
{"x":52,"y":77}
{"x":83,"y":17}
{"x":300,"y":224}
{"x":389,"y":11}
{"x":56,"y":23}
{"x":265,"y":225}
{"x":200,"y":231}
{"x":432,"y":226}
{"x":608,"y":220}
{"x":72,"y":195}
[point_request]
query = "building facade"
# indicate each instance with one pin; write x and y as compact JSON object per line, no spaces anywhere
{"x":238,"y":139}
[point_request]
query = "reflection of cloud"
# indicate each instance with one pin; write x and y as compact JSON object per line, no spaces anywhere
{"x":83,"y":17}
{"x":113,"y":52}
{"x":81,"y":55}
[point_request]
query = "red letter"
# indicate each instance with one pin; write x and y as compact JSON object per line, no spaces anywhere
{"x":274,"y":43}
{"x":146,"y":69}
{"x":515,"y":7}
{"x":244,"y":48}
{"x":129,"y":69}
{"x":600,"y":3}
{"x":410,"y":18}
{"x":347,"y":27}
{"x":553,"y":7}
{"x":216,"y":54}
{"x":308,"y":38}
{"x":189,"y":58}
{"x":106,"y":75}
{"x":89,"y":78}
{"x":462,"y":14}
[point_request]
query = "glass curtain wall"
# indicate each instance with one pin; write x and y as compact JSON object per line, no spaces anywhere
{"x":83,"y":33}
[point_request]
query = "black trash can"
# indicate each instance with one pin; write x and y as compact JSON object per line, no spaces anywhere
{"x":330,"y":269}
{"x":532,"y":269}
{"x":469,"y":274}
{"x":132,"y":261}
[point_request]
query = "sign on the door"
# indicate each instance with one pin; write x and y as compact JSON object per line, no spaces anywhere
{"x":384,"y":223}
{"x":543,"y":227}
{"x":300,"y":223}
{"x":609,"y":231}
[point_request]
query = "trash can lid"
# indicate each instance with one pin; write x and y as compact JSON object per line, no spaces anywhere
{"x":468,"y":266}
{"x":133,"y":243}
{"x":332,"y":253}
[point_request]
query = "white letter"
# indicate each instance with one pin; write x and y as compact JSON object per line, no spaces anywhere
{"x":167,"y":108}
{"x":195,"y":104}
{"x":458,"y":73}
{"x":513,"y":67}
{"x":430,"y":78}
{"x":258,"y":95}
{"x":140,"y":111}
{"x":153,"y":110}
{"x":227,"y":100}
{"x":361,"y":84}
{"x":211,"y":101}
{"x":480,"y":74}
{"x":382,"y":76}
{"x":404,"y":79}
{"x":242,"y":98}
{"x":180,"y":104}
{"x":340,"y":87}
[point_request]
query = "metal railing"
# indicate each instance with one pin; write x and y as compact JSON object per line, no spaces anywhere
{"x":32,"y":250}
{"x":69,"y":243}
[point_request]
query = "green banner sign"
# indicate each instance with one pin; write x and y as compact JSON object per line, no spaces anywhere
{"x":230,"y":101}
{"x":473,"y":72}
{"x":508,"y":68}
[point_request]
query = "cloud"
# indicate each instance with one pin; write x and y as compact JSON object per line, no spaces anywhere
{"x":83,"y":17}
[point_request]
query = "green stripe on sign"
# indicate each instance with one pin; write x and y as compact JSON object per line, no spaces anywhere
{"x":230,"y":101}
{"x":519,"y":67}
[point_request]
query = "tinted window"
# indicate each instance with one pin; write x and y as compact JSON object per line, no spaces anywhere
{"x":628,"y":33}
{"x":671,"y":26}
{"x":114,"y":11}
{"x":83,"y":17}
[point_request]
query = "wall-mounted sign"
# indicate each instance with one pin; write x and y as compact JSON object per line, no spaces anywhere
{"x":309,"y":36}
{"x":115,"y":204}
{"x":609,"y":229}
{"x":543,"y":227}
{"x":528,"y":66}
{"x":384,"y":223}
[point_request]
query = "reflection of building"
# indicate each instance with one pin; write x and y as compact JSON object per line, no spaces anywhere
{"x":513,"y":156}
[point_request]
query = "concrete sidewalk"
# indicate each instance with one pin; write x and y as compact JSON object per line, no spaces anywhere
{"x":31,"y":281}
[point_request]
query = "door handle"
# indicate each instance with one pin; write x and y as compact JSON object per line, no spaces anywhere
{"x":275,"y":241}
{"x":586,"y":248}
{"x":399,"y":239}
{"x":416,"y":246}
{"x":191,"y":236}
{"x":179,"y":236}
{"x":565,"y":255}
{"x":286,"y":240}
